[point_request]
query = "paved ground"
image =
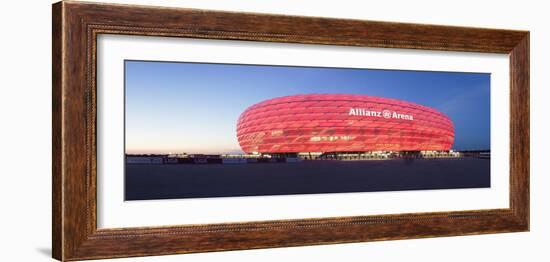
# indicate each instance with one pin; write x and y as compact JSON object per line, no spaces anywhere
{"x":307,"y":177}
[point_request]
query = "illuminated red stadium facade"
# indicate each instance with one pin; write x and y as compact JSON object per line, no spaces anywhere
{"x":342,"y":123}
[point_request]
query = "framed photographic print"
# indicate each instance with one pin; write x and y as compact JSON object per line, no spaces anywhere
{"x":182,"y":130}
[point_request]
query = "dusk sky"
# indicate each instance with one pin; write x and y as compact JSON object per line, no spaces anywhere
{"x":194,"y":107}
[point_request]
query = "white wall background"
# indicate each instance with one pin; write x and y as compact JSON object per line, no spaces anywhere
{"x":25,"y":84}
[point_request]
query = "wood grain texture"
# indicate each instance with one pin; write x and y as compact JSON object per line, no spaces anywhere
{"x":57,"y":191}
{"x":76,"y":26}
{"x":519,"y":129}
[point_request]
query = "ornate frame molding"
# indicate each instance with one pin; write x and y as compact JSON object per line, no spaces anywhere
{"x":76,"y":26}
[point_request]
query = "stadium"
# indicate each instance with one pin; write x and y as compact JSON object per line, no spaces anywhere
{"x":314,"y":126}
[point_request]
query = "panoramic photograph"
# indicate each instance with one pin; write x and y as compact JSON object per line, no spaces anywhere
{"x":200,"y":130}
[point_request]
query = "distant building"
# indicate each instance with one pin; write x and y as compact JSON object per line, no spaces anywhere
{"x":137,"y":159}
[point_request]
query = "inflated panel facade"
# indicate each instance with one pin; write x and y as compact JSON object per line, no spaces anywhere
{"x":342,"y":123}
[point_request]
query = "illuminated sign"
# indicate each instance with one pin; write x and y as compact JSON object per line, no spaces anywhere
{"x":374,"y":113}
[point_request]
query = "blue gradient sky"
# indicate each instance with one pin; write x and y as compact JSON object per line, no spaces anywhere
{"x":194,"y":107}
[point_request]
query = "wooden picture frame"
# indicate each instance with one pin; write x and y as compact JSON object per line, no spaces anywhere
{"x":76,"y":26}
